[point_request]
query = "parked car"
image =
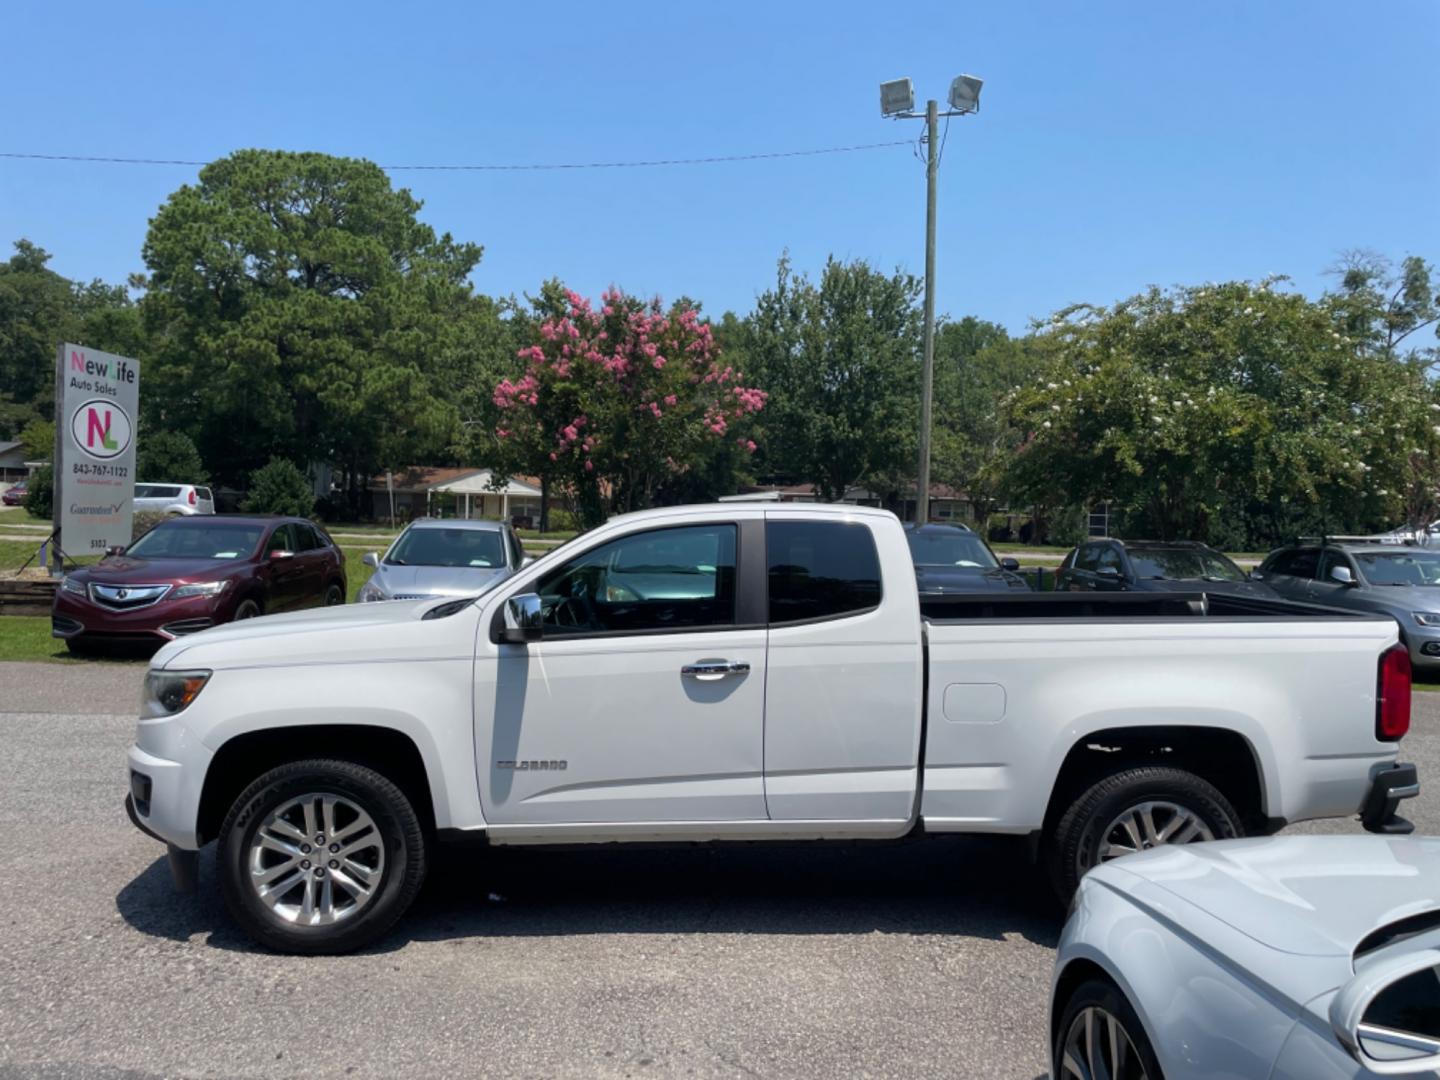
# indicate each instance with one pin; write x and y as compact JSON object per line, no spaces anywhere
{"x":1295,"y":958}
{"x":1394,"y":579}
{"x":1154,"y":566}
{"x":436,"y":559}
{"x":188,"y":574}
{"x":953,"y":558}
{"x":182,"y":499}
{"x":15,"y":494}
{"x":742,"y":672}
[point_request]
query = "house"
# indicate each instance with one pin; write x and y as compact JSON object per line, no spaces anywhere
{"x":421,"y":491}
{"x":946,"y":503}
{"x":13,"y":466}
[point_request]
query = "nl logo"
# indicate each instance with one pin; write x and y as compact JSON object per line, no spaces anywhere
{"x":101,"y":429}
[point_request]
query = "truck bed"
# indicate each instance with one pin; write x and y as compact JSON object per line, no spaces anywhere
{"x":963,"y":607}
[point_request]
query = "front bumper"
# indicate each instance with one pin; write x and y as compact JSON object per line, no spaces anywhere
{"x":72,"y":617}
{"x":1389,"y":787}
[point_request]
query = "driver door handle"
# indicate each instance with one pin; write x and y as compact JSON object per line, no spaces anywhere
{"x":715,"y":669}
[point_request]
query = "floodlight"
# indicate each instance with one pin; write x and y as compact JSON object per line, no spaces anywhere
{"x":896,"y":96}
{"x":965,"y":93}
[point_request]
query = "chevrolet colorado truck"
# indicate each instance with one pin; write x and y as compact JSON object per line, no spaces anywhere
{"x":742,"y":672}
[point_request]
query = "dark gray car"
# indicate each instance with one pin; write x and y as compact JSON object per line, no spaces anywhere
{"x":1392,"y":579}
{"x":1154,"y":566}
{"x":955,"y":559}
{"x":434,"y":558}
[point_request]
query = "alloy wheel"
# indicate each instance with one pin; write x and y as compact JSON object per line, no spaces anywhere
{"x":1097,"y":1047}
{"x":316,"y":859}
{"x":1151,"y":824}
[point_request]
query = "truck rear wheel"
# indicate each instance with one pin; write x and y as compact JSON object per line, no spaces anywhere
{"x":320,"y":857}
{"x":1134,"y":810}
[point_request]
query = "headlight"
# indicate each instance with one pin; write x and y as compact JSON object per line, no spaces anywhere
{"x":1427,"y":618}
{"x":370,"y":591}
{"x":200,"y":588}
{"x":69,"y":584}
{"x":170,"y":692}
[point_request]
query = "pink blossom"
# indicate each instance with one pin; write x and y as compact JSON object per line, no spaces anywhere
{"x":554,"y":456}
{"x":670,"y":400}
{"x":589,"y":466}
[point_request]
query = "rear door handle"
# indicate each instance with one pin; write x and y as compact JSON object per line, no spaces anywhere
{"x":715,"y":669}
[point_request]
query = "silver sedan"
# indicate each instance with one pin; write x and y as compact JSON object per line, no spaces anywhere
{"x":1294,"y":958}
{"x":434,"y":558}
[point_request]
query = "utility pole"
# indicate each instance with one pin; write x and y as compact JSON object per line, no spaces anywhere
{"x":897,"y":101}
{"x":927,"y":376}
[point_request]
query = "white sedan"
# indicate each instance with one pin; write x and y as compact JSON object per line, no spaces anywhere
{"x":1293,"y":958}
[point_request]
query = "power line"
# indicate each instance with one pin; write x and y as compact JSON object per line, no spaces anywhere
{"x":533,"y":167}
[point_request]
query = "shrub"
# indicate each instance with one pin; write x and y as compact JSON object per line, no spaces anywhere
{"x":279,"y":488}
{"x":40,"y":493}
{"x":144,"y":521}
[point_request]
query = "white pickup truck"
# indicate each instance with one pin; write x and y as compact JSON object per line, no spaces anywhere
{"x":745,"y":672}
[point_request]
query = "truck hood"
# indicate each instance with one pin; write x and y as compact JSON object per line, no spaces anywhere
{"x":348,"y":633}
{"x":1305,"y":895}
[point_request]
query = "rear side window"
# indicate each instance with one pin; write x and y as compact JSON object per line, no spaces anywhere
{"x":306,"y":538}
{"x":156,"y":491}
{"x":820,"y":569}
{"x":204,"y":493}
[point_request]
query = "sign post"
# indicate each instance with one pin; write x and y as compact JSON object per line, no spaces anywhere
{"x":97,"y":396}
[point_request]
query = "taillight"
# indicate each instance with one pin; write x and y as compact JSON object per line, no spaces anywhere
{"x":1392,"y":695}
{"x":192,"y":496}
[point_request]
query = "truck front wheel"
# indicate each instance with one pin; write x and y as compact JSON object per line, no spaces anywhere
{"x":320,"y":856}
{"x":1134,"y":810}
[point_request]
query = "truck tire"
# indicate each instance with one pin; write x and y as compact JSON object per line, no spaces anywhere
{"x":320,"y":857}
{"x":1135,"y":809}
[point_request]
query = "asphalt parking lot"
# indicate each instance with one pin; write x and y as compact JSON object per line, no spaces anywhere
{"x":924,"y":959}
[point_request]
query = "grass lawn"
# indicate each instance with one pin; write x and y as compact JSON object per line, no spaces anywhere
{"x":27,"y":637}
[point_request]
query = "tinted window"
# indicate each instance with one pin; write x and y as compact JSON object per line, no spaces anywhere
{"x":664,"y":579}
{"x":176,"y":540}
{"x":280,"y":540}
{"x":1087,"y":557}
{"x":820,"y":569}
{"x":1300,"y":564}
{"x":1405,"y":567}
{"x":204,"y":493}
{"x":950,"y":547}
{"x":307,"y":539}
{"x":1108,"y":559}
{"x":517,"y":551}
{"x":448,"y":546}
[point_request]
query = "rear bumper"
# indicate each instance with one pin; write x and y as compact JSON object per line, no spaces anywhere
{"x":1388,"y":788}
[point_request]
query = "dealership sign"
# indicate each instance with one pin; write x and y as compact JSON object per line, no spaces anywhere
{"x":96,"y":397}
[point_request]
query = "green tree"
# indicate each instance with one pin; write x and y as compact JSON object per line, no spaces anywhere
{"x":838,"y":360}
{"x":1238,"y":400}
{"x":168,"y":455}
{"x":40,"y":493}
{"x":616,"y":402}
{"x":1385,"y":308}
{"x":299,"y":307}
{"x":279,"y":487}
{"x":39,"y":439}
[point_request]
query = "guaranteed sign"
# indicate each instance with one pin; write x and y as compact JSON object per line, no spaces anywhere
{"x":96,"y":398}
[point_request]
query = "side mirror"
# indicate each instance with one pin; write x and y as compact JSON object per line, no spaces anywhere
{"x":1108,"y":571}
{"x":526,"y":561}
{"x":1342,"y":575}
{"x":524,"y":619}
{"x":1009,"y":563}
{"x":278,"y":556}
{"x":1375,"y":1018}
{"x":116,"y":550}
{"x":370,"y":559}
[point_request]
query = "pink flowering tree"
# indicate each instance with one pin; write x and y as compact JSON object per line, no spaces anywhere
{"x":616,"y":399}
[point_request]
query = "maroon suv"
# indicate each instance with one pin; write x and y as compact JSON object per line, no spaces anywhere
{"x":190,"y":573}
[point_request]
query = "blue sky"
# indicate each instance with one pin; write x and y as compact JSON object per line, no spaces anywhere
{"x":1119,"y":145}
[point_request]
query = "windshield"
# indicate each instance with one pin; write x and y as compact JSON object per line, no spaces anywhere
{"x":186,"y":541}
{"x":478,"y":548}
{"x":1184,"y":564}
{"x":950,"y":549}
{"x":1406,"y":567}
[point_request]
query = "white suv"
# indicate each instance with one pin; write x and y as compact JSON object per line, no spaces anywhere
{"x":184,"y":499}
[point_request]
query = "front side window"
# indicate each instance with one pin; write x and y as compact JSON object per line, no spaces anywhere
{"x":1087,"y":557}
{"x":1108,"y":559}
{"x":820,"y":569}
{"x":664,"y":579}
{"x":1297,"y":564}
{"x":282,"y":539}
